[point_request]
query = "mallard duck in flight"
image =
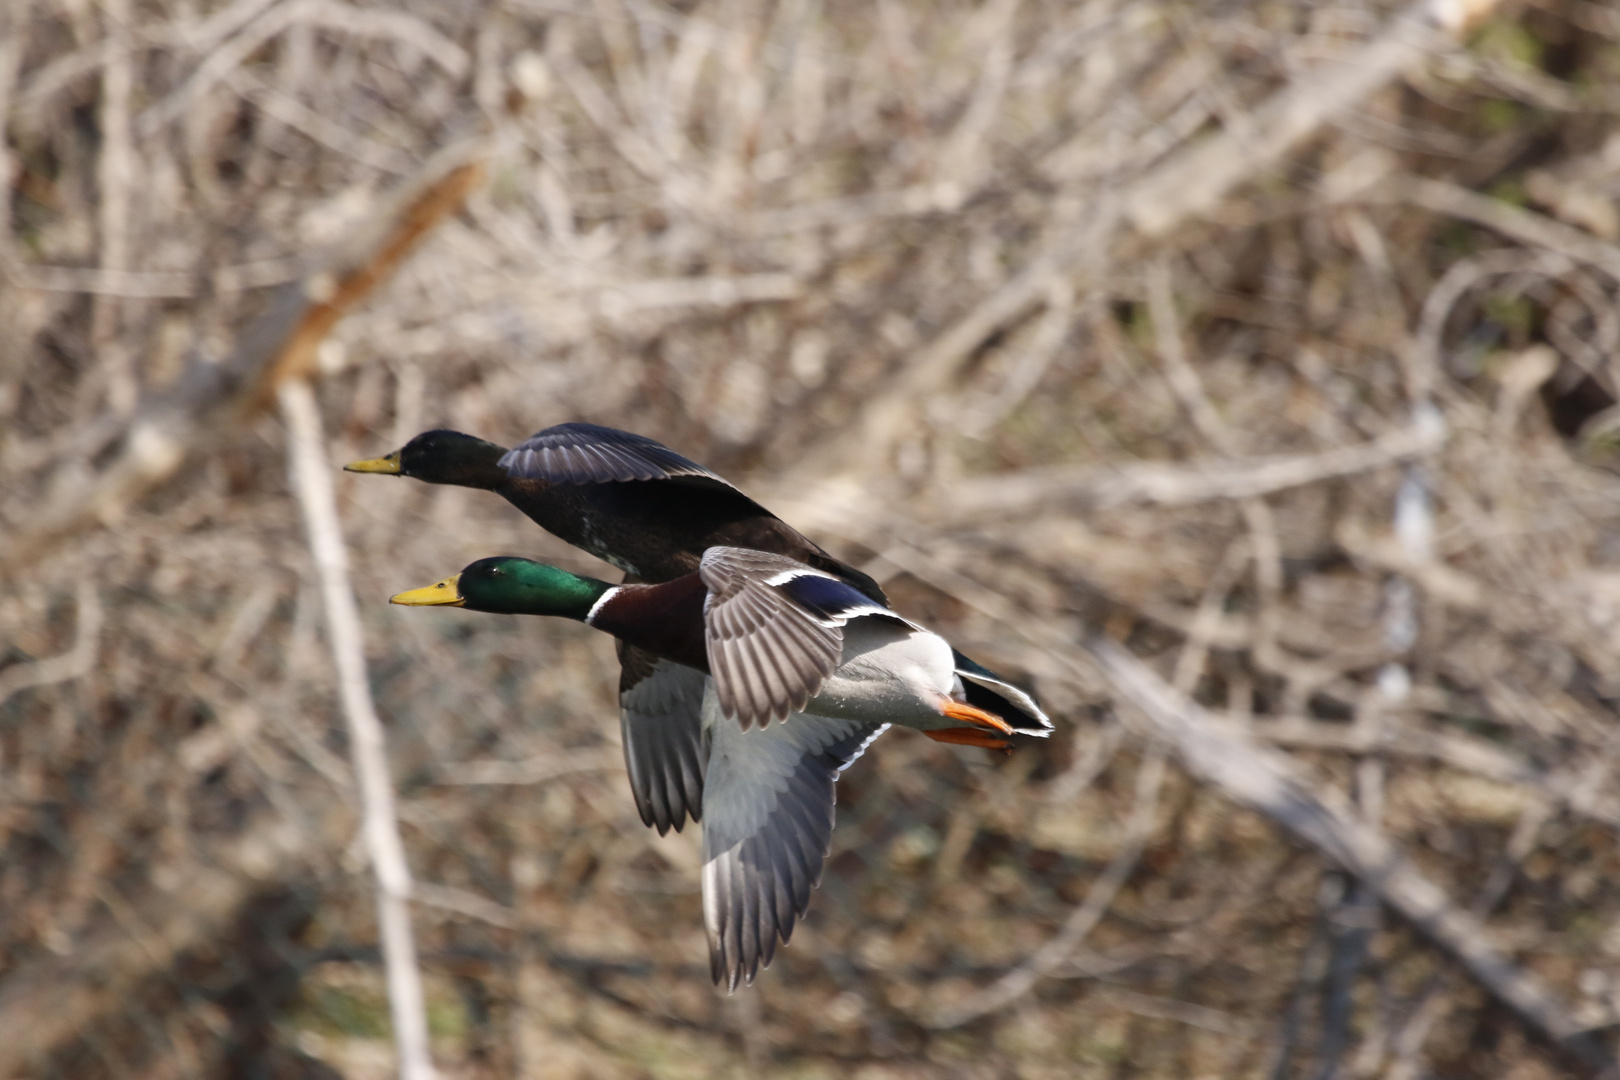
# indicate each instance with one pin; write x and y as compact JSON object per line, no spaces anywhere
{"x":644,"y":508}
{"x":777,"y":637}
{"x":627,"y":499}
{"x":637,"y":504}
{"x":784,"y":642}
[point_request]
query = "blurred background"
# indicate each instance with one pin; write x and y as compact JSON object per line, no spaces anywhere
{"x":1274,"y":341}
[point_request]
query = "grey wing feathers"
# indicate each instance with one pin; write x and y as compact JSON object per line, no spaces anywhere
{"x":768,"y":655}
{"x":578,"y":453}
{"x":660,"y":719}
{"x":767,"y":826}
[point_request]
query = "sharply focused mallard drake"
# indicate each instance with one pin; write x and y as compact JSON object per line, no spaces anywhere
{"x":639,"y":505}
{"x":776,"y":636}
{"x":780,"y":641}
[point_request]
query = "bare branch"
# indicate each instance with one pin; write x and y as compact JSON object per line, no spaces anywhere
{"x":1266,"y":782}
{"x":1062,"y":945}
{"x":1182,"y":484}
{"x":1186,"y":186}
{"x":280,"y":344}
{"x":312,"y":481}
{"x":1514,"y":222}
{"x":116,"y":179}
{"x":52,"y":999}
{"x":1194,"y":182}
{"x":332,"y":14}
{"x":73,"y":664}
{"x":535,"y":770}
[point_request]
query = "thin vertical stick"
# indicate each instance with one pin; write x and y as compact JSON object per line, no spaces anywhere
{"x":313,"y":483}
{"x":14,"y":22}
{"x":116,"y":176}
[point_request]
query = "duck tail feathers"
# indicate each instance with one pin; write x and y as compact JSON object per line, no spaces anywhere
{"x":992,"y":693}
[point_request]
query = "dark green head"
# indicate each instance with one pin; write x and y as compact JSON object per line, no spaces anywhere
{"x":508,"y":585}
{"x":442,"y":457}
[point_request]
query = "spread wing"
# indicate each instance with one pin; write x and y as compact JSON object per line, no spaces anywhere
{"x":576,"y":453}
{"x":773,"y":630}
{"x":660,"y":719}
{"x":767,"y":826}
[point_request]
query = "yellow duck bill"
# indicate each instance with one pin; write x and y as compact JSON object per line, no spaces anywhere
{"x":387,"y":464}
{"x":443,"y":593}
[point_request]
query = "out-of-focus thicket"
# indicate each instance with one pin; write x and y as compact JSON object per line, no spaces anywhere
{"x":1273,"y":344}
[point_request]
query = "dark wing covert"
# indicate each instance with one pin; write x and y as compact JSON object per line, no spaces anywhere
{"x":579,"y":453}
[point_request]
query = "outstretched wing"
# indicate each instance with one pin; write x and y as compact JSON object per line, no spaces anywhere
{"x":660,"y":719}
{"x":577,"y":453}
{"x":767,"y":827}
{"x":773,"y":628}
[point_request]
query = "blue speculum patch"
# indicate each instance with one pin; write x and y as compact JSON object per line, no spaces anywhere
{"x":825,"y":596}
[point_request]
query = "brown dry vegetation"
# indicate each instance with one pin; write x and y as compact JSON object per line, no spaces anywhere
{"x":1125,"y":315}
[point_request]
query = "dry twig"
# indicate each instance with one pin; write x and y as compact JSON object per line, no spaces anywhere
{"x":312,"y":481}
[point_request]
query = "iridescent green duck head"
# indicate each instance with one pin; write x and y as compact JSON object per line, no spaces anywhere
{"x":508,"y":585}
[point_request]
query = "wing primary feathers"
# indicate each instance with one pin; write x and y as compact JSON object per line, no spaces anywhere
{"x":661,"y":724}
{"x":578,"y":453}
{"x":748,"y":935}
{"x":730,"y":931}
{"x":768,"y":818}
